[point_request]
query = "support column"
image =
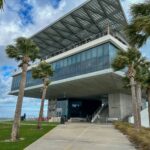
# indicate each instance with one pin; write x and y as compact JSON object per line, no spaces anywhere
{"x":120,"y":105}
{"x":114,"y":105}
{"x":52,"y":108}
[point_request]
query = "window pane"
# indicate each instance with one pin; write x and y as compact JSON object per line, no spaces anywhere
{"x":78,"y":57}
{"x":53,"y":66}
{"x":112,"y":52}
{"x":89,"y":54}
{"x":65,"y":62}
{"x":106,"y":49}
{"x":94,"y":52}
{"x":99,"y":51}
{"x":69,"y":61}
{"x":83,"y":56}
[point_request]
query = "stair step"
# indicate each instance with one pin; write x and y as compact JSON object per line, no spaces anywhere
{"x":77,"y":120}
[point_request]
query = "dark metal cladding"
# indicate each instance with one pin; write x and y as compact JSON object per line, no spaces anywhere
{"x":87,"y":22}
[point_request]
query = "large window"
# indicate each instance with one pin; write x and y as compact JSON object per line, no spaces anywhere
{"x":90,"y":60}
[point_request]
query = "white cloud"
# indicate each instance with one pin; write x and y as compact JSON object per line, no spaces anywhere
{"x":10,"y":28}
{"x":31,"y":106}
{"x":4,"y":86}
{"x":43,"y":15}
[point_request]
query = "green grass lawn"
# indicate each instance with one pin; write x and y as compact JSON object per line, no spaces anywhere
{"x":30,"y":123}
{"x":29,"y":132}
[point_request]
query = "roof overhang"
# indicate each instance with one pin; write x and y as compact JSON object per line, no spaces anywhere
{"x":89,"y":21}
{"x":88,"y":85}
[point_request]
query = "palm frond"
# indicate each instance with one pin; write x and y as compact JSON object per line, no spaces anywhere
{"x":135,"y":36}
{"x":126,"y":82}
{"x":140,"y":9}
{"x":120,"y":62}
{"x":143,"y":73}
{"x":1,"y":4}
{"x":27,"y":47}
{"x":24,"y":50}
{"x":138,"y":31}
{"x":12,"y":52}
{"x":43,"y":70}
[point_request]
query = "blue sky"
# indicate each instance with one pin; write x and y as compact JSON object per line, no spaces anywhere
{"x":25,"y":18}
{"x":25,"y":13}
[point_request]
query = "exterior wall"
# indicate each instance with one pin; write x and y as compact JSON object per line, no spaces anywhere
{"x":62,"y":108}
{"x":144,"y":117}
{"x":91,"y":60}
{"x":114,"y":105}
{"x":125,"y":105}
{"x":120,"y":105}
{"x":51,"y":108}
{"x":144,"y":103}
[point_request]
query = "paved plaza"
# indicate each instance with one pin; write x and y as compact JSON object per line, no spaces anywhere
{"x":82,"y":136}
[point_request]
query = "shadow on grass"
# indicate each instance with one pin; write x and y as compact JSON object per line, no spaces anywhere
{"x":28,"y":132}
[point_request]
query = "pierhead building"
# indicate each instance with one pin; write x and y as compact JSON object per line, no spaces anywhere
{"x":81,"y":46}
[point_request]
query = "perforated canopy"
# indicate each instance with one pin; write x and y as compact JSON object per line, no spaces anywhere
{"x":88,"y":20}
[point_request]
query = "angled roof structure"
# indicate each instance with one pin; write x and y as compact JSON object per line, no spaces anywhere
{"x":87,"y":21}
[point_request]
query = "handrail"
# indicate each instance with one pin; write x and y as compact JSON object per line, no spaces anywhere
{"x":97,"y":112}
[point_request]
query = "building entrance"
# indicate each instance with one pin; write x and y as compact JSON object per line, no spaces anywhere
{"x":83,"y":108}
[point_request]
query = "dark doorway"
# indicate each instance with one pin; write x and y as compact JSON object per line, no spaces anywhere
{"x":82,"y":108}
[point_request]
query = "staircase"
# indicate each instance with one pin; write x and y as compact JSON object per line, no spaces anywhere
{"x":101,"y":114}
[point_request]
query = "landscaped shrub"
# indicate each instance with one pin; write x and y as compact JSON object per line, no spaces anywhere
{"x":140,"y":138}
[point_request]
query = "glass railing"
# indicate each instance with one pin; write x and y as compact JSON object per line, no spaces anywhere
{"x":115,"y":34}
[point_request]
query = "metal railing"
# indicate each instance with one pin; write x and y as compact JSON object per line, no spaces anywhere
{"x":115,"y":34}
{"x":97,"y":112}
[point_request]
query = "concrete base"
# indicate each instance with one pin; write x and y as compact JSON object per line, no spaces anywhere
{"x":120,"y":105}
{"x":54,"y":119}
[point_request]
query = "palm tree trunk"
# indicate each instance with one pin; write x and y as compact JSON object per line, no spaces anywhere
{"x":139,"y":102}
{"x":134,"y":103}
{"x":139,"y":94}
{"x":16,"y":123}
{"x":42,"y":107}
{"x":149,"y":104}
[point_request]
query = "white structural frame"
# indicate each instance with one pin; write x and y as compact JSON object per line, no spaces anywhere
{"x":107,"y":38}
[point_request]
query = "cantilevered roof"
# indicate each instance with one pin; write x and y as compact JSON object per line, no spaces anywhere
{"x":88,"y":20}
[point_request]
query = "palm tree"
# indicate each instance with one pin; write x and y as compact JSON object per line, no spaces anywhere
{"x":147,"y":85}
{"x":24,"y":51}
{"x":1,"y":4}
{"x":138,"y":91}
{"x":138,"y":31}
{"x":144,"y":77}
{"x":140,"y":79}
{"x":42,"y":71}
{"x":130,"y":59}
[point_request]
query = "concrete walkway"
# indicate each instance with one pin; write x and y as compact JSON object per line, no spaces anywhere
{"x":82,"y":136}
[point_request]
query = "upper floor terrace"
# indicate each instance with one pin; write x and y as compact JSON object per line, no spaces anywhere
{"x":90,"y":21}
{"x":83,"y":41}
{"x":91,"y":57}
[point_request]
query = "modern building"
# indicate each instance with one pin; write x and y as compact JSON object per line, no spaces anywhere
{"x":80,"y":46}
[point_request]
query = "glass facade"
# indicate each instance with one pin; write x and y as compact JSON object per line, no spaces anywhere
{"x":79,"y":107}
{"x":62,"y":108}
{"x":90,"y":60}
